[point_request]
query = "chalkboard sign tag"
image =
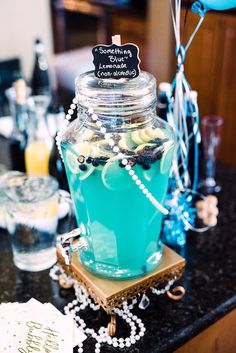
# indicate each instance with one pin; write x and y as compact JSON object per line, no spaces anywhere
{"x":116,"y":61}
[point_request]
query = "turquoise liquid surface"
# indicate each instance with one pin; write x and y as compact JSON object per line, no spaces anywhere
{"x":120,"y":223}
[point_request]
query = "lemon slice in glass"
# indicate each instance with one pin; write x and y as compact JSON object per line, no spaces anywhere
{"x":144,"y":136}
{"x":83,"y":148}
{"x":115,"y":177}
{"x":166,"y":159}
{"x":159,"y":133}
{"x":126,"y":143}
{"x":88,"y":134}
{"x":73,"y":164}
{"x":136,"y":138}
{"x":71,"y":161}
{"x":150,"y":132}
{"x":141,"y":147}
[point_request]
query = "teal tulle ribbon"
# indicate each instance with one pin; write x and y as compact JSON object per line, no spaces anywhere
{"x":180,"y":198}
{"x":198,"y":8}
{"x":180,"y":87}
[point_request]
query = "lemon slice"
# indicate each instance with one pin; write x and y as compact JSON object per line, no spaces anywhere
{"x":126,"y":143}
{"x":159,"y":133}
{"x":73,"y":165}
{"x":84,"y":175}
{"x":144,"y":136}
{"x":136,"y":138}
{"x":141,"y":147}
{"x":150,"y":132}
{"x":103,"y":143}
{"x":100,"y":151}
{"x":88,"y":134}
{"x":123,"y":144}
{"x":166,"y":159}
{"x":114,"y":177}
{"x":83,"y":148}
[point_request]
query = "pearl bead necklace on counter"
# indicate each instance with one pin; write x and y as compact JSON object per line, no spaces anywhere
{"x":115,"y":149}
{"x":83,"y":300}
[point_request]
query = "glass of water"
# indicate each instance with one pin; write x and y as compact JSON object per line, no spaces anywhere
{"x":31,"y":216}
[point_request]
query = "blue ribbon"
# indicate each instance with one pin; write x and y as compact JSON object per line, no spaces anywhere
{"x":199,"y":8}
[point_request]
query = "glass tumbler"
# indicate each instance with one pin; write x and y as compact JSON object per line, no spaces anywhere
{"x":31,"y":216}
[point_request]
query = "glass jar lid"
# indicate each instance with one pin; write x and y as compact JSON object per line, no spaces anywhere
{"x":110,"y":96}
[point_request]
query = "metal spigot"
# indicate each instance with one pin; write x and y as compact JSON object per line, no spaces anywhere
{"x":72,"y":242}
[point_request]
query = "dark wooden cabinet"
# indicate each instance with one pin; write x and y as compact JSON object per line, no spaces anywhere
{"x":133,"y":29}
{"x":217,"y":338}
{"x":210,"y":68}
{"x":210,"y":64}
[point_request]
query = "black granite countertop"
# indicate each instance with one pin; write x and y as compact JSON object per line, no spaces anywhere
{"x":209,"y":280}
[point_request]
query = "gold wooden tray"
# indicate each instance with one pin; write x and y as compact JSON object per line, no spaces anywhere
{"x":111,"y":294}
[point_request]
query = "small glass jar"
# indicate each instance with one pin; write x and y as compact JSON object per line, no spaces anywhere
{"x":117,"y":126}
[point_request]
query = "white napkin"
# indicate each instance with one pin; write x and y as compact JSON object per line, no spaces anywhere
{"x":34,"y":326}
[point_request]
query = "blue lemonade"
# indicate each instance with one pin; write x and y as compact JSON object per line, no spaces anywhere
{"x":120,"y":223}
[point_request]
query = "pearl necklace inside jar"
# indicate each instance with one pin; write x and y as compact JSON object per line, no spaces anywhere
{"x":115,"y":149}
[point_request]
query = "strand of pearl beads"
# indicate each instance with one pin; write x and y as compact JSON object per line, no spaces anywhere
{"x":66,"y":121}
{"x":83,"y":300}
{"x":125,"y":162}
{"x":115,"y":149}
{"x":137,"y":329}
{"x":165,"y":289}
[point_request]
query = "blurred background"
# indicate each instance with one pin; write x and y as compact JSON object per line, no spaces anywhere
{"x":45,"y":44}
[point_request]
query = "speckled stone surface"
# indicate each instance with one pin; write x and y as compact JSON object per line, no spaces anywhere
{"x":209,"y":280}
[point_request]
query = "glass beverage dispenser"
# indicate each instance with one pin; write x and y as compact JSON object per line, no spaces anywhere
{"x":118,"y":155}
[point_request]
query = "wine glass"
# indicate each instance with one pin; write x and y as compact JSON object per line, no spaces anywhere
{"x":211,"y":137}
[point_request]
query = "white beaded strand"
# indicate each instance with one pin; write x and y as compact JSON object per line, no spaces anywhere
{"x":137,"y":329}
{"x":115,"y":149}
{"x":83,"y":300}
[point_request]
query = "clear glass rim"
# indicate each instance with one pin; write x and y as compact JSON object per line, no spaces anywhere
{"x":212,"y":120}
{"x":18,"y":180}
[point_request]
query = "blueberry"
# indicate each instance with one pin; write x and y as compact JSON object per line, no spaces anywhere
{"x":95,"y":162}
{"x":146,"y":166}
{"x":148,"y":148}
{"x":131,"y":162}
{"x":89,"y":160}
{"x":158,"y":155}
{"x":83,"y":167}
{"x":157,"y":141}
{"x":128,"y":152}
{"x":139,"y":160}
{"x":103,"y":160}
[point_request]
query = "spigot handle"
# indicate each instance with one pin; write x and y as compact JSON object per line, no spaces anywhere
{"x":72,"y":242}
